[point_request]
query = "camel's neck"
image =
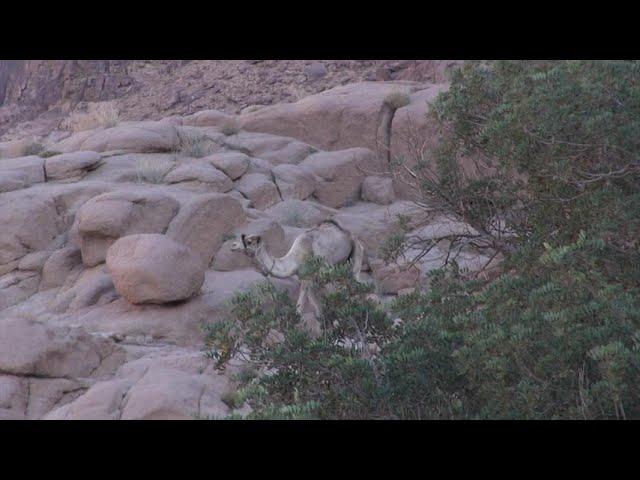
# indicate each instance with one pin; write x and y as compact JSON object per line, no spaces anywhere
{"x":278,"y":267}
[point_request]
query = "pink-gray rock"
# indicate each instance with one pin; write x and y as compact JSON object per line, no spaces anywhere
{"x":342,"y":117}
{"x":258,"y":188}
{"x":233,"y":164}
{"x":34,"y":261}
{"x":343,"y":172}
{"x":207,"y":118}
{"x":294,"y":182}
{"x":59,"y":265}
{"x":315,"y":71}
{"x":203,"y":222}
{"x":84,"y":288}
{"x":71,"y":166}
{"x":275,"y":149}
{"x":107,"y":217}
{"x":30,"y":222}
{"x":135,"y":137}
{"x":378,"y":190}
{"x":17,"y":286}
{"x":299,"y":213}
{"x":153,"y":268}
{"x":200,"y":176}
{"x":390,"y":279}
{"x":28,"y":347}
{"x":21,"y":172}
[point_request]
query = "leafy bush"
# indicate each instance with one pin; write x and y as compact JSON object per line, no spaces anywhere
{"x":541,"y":158}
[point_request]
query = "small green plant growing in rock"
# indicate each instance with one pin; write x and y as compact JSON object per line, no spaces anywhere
{"x":230,"y":127}
{"x":49,"y":153}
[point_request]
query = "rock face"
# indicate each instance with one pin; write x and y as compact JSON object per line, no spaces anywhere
{"x":259,"y":189}
{"x":275,"y":149}
{"x":152,"y":268}
{"x":31,"y":348}
{"x":201,"y":177}
{"x":298,"y":213}
{"x":340,"y":118}
{"x":391,"y":278}
{"x":295,"y":182}
{"x":21,"y":172}
{"x":233,"y":164}
{"x":204,"y":221}
{"x":342,"y":173}
{"x":206,"y":118}
{"x":378,"y":190}
{"x":30,"y":222}
{"x":58,"y":266}
{"x":143,"y":137}
{"x":71,"y":166}
{"x":105,"y":218}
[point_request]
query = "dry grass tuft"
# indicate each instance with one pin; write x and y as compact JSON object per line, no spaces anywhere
{"x":99,"y":114}
{"x":196,"y":145}
{"x":152,"y":169}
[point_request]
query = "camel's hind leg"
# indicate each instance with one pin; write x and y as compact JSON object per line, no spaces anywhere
{"x":302,"y":297}
{"x":315,"y":303}
{"x":307,"y":293}
{"x":357,"y":258}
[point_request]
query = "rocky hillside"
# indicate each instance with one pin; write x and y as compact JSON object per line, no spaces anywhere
{"x":35,"y":95}
{"x":116,"y":240}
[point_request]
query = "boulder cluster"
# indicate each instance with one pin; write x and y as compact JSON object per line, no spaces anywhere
{"x":115,"y":243}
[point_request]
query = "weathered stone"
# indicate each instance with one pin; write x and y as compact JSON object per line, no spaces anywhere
{"x":294,"y":182}
{"x":378,"y":190}
{"x":71,"y":166}
{"x":153,"y":268}
{"x":105,"y":218}
{"x":258,"y":188}
{"x":203,"y":222}
{"x":343,"y":172}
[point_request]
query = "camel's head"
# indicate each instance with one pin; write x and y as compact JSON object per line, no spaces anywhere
{"x":247,"y":244}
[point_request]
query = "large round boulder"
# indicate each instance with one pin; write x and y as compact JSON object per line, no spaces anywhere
{"x":153,"y":268}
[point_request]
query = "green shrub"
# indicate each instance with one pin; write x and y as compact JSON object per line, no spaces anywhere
{"x":556,"y":335}
{"x":49,"y":153}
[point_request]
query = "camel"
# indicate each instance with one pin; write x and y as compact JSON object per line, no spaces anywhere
{"x":327,"y":240}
